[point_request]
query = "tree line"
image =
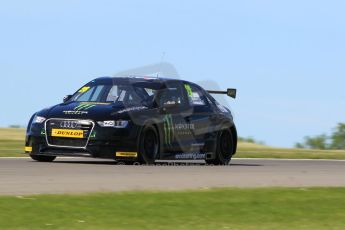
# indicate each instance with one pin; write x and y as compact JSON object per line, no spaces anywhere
{"x":334,"y":141}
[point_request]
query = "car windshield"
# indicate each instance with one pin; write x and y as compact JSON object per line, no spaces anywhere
{"x":138,"y":93}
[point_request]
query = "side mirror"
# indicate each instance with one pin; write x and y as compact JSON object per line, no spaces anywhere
{"x":66,"y":98}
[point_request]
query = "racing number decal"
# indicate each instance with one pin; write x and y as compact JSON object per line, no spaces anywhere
{"x":189,"y":90}
{"x":84,"y":89}
{"x":168,"y":129}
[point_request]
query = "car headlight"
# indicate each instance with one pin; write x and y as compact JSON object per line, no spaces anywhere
{"x":38,"y":119}
{"x":113,"y":124}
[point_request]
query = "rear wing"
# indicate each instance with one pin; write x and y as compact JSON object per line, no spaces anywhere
{"x":230,"y":92}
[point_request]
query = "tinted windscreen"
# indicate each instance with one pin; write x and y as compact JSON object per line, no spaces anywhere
{"x":127,"y":93}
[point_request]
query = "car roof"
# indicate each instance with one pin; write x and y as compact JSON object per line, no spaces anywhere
{"x":138,"y":78}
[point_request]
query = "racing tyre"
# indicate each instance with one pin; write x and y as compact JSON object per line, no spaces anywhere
{"x":42,"y":158}
{"x":224,"y":148}
{"x":148,"y":145}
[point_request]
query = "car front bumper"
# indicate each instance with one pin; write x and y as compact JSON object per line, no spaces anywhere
{"x":107,"y":143}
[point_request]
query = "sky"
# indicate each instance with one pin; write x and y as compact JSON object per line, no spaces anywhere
{"x":286,"y":58}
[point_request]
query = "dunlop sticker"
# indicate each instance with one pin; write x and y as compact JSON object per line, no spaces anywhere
{"x":68,"y":133}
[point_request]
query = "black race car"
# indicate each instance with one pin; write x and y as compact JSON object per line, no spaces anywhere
{"x":135,"y":119}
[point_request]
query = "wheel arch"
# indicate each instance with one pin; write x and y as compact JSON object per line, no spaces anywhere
{"x":153,"y":123}
{"x":233,"y":130}
{"x":234,"y":137}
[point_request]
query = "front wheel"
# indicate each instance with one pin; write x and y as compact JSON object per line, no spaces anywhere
{"x":224,"y":148}
{"x":148,"y":145}
{"x":43,"y":158}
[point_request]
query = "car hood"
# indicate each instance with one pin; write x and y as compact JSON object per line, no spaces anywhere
{"x":90,"y":110}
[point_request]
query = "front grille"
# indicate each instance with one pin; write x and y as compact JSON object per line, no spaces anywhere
{"x":69,"y":124}
{"x":60,"y":141}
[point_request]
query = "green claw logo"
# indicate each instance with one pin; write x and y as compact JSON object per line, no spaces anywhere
{"x":168,"y":129}
{"x":83,"y":107}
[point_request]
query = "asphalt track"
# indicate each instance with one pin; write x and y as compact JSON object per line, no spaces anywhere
{"x":22,"y":176}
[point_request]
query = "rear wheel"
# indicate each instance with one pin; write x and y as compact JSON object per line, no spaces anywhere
{"x":224,"y":148}
{"x":43,"y":158}
{"x":148,"y":145}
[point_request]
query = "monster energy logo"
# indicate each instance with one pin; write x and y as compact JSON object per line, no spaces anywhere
{"x":168,"y":129}
{"x":83,"y":107}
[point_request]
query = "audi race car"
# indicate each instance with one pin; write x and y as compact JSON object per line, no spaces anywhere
{"x":135,"y":119}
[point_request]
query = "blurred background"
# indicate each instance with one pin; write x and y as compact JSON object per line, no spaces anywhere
{"x":286,"y":58}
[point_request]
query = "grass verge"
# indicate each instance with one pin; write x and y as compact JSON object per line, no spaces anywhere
{"x":10,"y":148}
{"x":12,"y":142}
{"x":248,"y":150}
{"x":265,"y":208}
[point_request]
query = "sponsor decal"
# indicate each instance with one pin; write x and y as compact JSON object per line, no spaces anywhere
{"x":95,"y":103}
{"x":69,"y":112}
{"x":70,"y":133}
{"x":84,"y":89}
{"x":93,"y":134}
{"x":189,"y":90}
{"x":83,"y":106}
{"x":43,"y":132}
{"x":168,"y":129}
{"x":81,"y":109}
{"x":126,"y":154}
{"x":183,"y":128}
{"x":28,"y":149}
{"x":130,"y":109}
{"x":171,"y":129}
{"x":191,"y":156}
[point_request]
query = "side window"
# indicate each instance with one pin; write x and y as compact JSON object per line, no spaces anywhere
{"x":210,"y":99}
{"x":195,"y":95}
{"x":113,"y":94}
{"x":133,"y":99}
{"x":170,"y":96}
{"x":173,"y":94}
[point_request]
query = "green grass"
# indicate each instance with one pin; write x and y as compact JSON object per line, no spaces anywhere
{"x":12,"y":145}
{"x":12,"y":142}
{"x":249,"y":150}
{"x":12,"y":134}
{"x":265,"y":208}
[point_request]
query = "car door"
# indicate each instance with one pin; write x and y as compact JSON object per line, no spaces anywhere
{"x":201,"y":119}
{"x":175,"y":130}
